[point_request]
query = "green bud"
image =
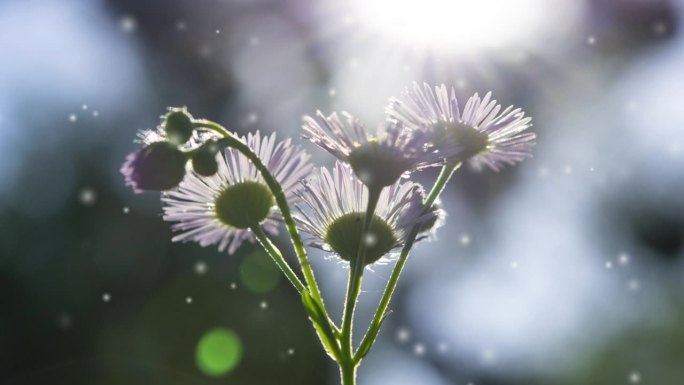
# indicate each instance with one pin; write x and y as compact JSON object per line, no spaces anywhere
{"x":157,"y":167}
{"x":178,"y":126}
{"x":204,"y":160}
{"x":434,"y":221}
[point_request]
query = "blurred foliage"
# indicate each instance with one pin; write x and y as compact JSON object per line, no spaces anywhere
{"x":649,"y":353}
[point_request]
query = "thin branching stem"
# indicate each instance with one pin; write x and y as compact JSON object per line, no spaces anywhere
{"x":356,"y":268}
{"x":277,"y":257}
{"x":233,"y":141}
{"x":435,"y":192}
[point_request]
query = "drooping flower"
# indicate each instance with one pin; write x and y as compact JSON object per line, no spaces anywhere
{"x":222,"y":208}
{"x":333,"y":210}
{"x":482,"y":135}
{"x":158,"y":166}
{"x":378,"y":159}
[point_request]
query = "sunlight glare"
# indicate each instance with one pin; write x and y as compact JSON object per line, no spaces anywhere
{"x":453,"y":24}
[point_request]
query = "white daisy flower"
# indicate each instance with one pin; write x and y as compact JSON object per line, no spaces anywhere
{"x":222,"y":208}
{"x":378,"y":159}
{"x":333,"y":211}
{"x":482,"y":134}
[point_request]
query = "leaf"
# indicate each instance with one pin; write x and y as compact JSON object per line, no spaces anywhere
{"x":321,"y":324}
{"x":370,"y":337}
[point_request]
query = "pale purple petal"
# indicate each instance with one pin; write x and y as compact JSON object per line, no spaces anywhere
{"x":192,"y":204}
{"x":421,"y":108}
{"x":327,"y":196}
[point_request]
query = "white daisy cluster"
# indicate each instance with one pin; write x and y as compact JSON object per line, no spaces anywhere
{"x":222,"y":189}
{"x":423,"y":129}
{"x":223,"y":197}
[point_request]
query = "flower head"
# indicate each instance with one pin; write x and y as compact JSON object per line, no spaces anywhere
{"x":334,"y":208}
{"x":158,"y":166}
{"x":222,"y":208}
{"x":378,"y":159}
{"x":482,"y":134}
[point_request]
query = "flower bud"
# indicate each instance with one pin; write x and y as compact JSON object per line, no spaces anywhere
{"x":159,"y":166}
{"x":433,"y":220}
{"x":204,"y":162}
{"x":178,"y":126}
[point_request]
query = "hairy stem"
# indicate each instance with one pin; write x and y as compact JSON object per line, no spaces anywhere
{"x":348,"y":374}
{"x":277,"y":257}
{"x":325,"y":334}
{"x":440,"y":183}
{"x":231,"y":140}
{"x":356,"y":268}
{"x":371,"y":334}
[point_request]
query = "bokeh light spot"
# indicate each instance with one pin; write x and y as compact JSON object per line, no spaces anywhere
{"x":259,"y":273}
{"x":218,"y":352}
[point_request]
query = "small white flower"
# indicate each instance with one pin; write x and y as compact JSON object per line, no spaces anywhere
{"x":378,"y":159}
{"x":482,"y":134}
{"x":220,"y":209}
{"x":334,"y":206}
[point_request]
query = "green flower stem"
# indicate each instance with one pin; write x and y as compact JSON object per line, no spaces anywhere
{"x":233,"y":141}
{"x":327,"y":336}
{"x":380,"y":314}
{"x":277,"y":257}
{"x":356,"y":268}
{"x":348,"y":374}
{"x":440,"y":183}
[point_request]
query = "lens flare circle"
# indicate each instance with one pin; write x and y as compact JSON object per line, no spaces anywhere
{"x":218,"y":352}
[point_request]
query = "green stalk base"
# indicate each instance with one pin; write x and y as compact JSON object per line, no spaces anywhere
{"x":348,"y":374}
